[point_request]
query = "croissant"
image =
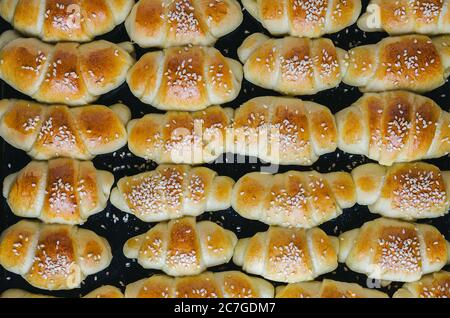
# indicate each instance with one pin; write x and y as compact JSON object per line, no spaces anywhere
{"x":293,"y":199}
{"x":283,"y":130}
{"x":411,"y":62}
{"x":304,"y":18}
{"x":394,"y":250}
{"x":170,"y":192}
{"x":105,"y":292}
{"x":65,"y":20}
{"x":288,"y":255}
{"x":394,"y":127}
{"x":63,"y":191}
{"x":102,"y":292}
{"x":230,"y":284}
{"x":406,"y":16}
{"x":293,"y":66}
{"x":53,"y":257}
{"x":185,"y":78}
{"x":436,"y":285}
{"x":66,"y":73}
{"x":46,"y":132}
{"x":182,"y":247}
{"x":181,"y":137}
{"x":407,"y":191}
{"x":327,"y":289}
{"x":175,"y":23}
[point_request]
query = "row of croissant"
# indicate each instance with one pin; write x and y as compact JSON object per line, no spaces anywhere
{"x":157,"y":23}
{"x":388,"y":127}
{"x":384,"y":249}
{"x":67,"y":191}
{"x":193,"y":78}
{"x":183,"y":248}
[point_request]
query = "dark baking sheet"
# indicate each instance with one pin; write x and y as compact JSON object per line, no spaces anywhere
{"x":117,"y":226}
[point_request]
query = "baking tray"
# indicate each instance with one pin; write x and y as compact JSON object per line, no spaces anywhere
{"x":117,"y":226}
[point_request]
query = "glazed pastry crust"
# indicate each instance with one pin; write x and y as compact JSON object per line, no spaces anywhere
{"x":65,"y":20}
{"x":47,"y":132}
{"x":53,"y":257}
{"x":185,"y":78}
{"x":394,"y":250}
{"x":182,"y":247}
{"x":65,"y":73}
{"x":287,"y":255}
{"x":230,"y":284}
{"x":172,"y":191}
{"x":304,"y":18}
{"x":161,"y":23}
{"x":293,"y":199}
{"x":327,"y":289}
{"x":394,"y":127}
{"x":64,"y":191}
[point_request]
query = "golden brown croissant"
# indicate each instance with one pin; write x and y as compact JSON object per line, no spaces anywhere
{"x":407,"y":191}
{"x":436,"y":285}
{"x":407,"y":16}
{"x":293,"y":66}
{"x":171,"y":191}
{"x":53,"y":257}
{"x":394,"y":250}
{"x":293,"y":199}
{"x":411,"y":62}
{"x":101,"y":292}
{"x":62,"y":191}
{"x":327,"y":289}
{"x":181,"y":137}
{"x":174,"y":23}
{"x":288,"y":255}
{"x":283,"y":130}
{"x":66,"y":73}
{"x":182,"y":247}
{"x":185,"y":78}
{"x":46,"y":132}
{"x":65,"y":20}
{"x":230,"y":284}
{"x":394,"y":127}
{"x":304,"y":18}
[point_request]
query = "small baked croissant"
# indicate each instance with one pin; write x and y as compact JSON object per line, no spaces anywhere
{"x":408,"y":190}
{"x":394,"y":127}
{"x":230,"y":284}
{"x":101,"y":292}
{"x":304,"y":18}
{"x":293,"y":66}
{"x":65,"y":73}
{"x":394,"y":250}
{"x":53,"y":257}
{"x":164,"y":23}
{"x":65,"y":20}
{"x":327,"y":289}
{"x":288,"y":255}
{"x":406,"y":16}
{"x":171,"y":191}
{"x":185,"y":78}
{"x":283,"y":130}
{"x":410,"y":62}
{"x":62,"y":191}
{"x":182,"y":247}
{"x":181,"y":137}
{"x":436,"y":285}
{"x":293,"y":199}
{"x":47,"y":132}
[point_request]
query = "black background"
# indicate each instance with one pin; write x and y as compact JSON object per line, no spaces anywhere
{"x":117,"y":226}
